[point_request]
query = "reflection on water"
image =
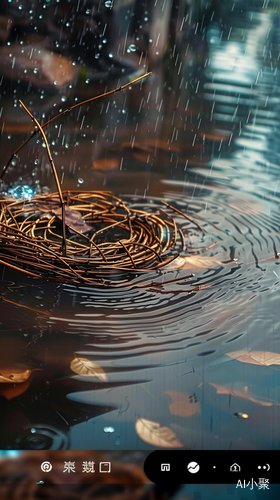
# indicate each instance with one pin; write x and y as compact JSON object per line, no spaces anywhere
{"x":200,"y":133}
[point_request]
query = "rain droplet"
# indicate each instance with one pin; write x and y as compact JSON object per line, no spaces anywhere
{"x":63,"y":98}
{"x":111,"y":55}
{"x":132,"y":48}
{"x":97,"y":56}
{"x":55,"y":82}
{"x":241,"y":415}
{"x":36,"y":162}
{"x":108,"y":4}
{"x":109,"y":430}
{"x":80,"y":181}
{"x":33,"y":430}
{"x":35,"y":70}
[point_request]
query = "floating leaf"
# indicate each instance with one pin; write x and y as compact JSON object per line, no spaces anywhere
{"x":264,"y":358}
{"x":14,"y":382}
{"x":183,"y":404}
{"x":222,"y":389}
{"x":152,"y":433}
{"x":194,"y":261}
{"x":86,"y":368}
{"x":16,"y":376}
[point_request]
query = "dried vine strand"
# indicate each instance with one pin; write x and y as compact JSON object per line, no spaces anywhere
{"x":44,"y":125}
{"x":62,"y":202}
{"x":185,"y":216}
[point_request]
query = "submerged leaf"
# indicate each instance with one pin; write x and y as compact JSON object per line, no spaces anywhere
{"x":105,"y":164}
{"x":86,"y":368}
{"x":152,"y":433}
{"x":264,"y":358}
{"x":194,"y":261}
{"x":222,"y":389}
{"x":183,"y":404}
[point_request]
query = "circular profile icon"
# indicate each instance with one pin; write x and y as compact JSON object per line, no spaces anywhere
{"x":193,"y":467}
{"x":46,"y":466}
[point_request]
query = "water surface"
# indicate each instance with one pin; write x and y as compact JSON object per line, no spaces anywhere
{"x":201,"y":134}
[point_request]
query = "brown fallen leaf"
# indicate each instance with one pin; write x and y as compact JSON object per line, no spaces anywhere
{"x":86,"y":368}
{"x":222,"y":389}
{"x":6,"y":24}
{"x":183,"y":404}
{"x":105,"y":164}
{"x":73,"y":218}
{"x":14,"y":382}
{"x":264,"y":358}
{"x":42,"y":68}
{"x":137,"y":147}
{"x":152,"y":433}
{"x":194,"y":261}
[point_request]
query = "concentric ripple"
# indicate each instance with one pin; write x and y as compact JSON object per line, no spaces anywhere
{"x":177,"y":319}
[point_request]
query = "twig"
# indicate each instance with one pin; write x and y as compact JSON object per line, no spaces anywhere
{"x":62,"y":202}
{"x":185,"y":216}
{"x":67,"y":111}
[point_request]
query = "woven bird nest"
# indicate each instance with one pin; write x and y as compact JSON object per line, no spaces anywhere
{"x":85,"y":236}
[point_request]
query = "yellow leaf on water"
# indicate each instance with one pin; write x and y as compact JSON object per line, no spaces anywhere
{"x":86,"y":368}
{"x":152,"y":433}
{"x":17,"y":376}
{"x":14,"y":382}
{"x":193,"y":262}
{"x":264,"y":358}
{"x":222,"y":389}
{"x":183,"y":404}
